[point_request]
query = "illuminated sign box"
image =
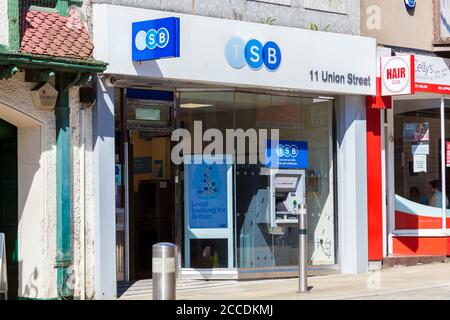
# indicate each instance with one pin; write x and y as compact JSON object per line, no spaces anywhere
{"x":156,"y":39}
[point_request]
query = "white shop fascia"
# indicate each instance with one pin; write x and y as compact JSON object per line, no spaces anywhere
{"x":309,"y":61}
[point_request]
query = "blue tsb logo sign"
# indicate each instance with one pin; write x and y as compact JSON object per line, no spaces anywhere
{"x":156,"y":39}
{"x":287,"y":154}
{"x":253,"y":53}
{"x":152,"y":39}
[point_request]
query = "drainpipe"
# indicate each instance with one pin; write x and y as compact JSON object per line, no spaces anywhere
{"x":63,"y":188}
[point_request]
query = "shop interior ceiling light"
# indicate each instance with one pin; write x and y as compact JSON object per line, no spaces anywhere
{"x":322,"y":99}
{"x":195,"y":105}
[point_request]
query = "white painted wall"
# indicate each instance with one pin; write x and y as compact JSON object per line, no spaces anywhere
{"x":37,"y":191}
{"x":36,"y":155}
{"x":352,"y":184}
{"x":105,"y":206}
{"x":4,"y":29}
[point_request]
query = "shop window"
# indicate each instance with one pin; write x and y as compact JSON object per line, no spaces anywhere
{"x":258,"y":243}
{"x":419,"y":182}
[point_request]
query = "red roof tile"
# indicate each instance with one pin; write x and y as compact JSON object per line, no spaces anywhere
{"x":51,"y":34}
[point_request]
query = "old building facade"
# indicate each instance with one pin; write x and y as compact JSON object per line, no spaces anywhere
{"x":47,"y":141}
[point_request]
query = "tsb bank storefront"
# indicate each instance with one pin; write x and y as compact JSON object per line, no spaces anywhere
{"x":234,"y":219}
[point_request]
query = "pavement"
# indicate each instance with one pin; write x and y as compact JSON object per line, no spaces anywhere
{"x":424,"y":282}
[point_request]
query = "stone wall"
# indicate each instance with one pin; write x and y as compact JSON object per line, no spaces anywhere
{"x":341,"y":16}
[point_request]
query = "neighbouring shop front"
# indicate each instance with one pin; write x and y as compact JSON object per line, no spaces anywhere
{"x":234,"y":220}
{"x":43,"y":194}
{"x":417,"y":144}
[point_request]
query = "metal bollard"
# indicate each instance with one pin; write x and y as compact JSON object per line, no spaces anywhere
{"x":164,"y":271}
{"x":303,"y":249}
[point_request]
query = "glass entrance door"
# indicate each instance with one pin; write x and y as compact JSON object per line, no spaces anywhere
{"x":151,"y":198}
{"x":144,"y":179}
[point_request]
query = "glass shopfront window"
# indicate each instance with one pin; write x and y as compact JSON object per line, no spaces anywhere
{"x":420,"y":190}
{"x":257,"y":243}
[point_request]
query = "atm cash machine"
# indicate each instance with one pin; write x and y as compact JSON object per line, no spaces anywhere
{"x":287,"y":193}
{"x":271,"y":212}
{"x":268,"y":203}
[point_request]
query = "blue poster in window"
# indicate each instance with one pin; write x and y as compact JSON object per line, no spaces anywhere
{"x":287,"y":154}
{"x":208,"y":189}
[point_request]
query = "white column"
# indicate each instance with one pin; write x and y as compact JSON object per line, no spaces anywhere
{"x":390,"y":180}
{"x":104,"y":182}
{"x":352,"y":184}
{"x":384,"y":129}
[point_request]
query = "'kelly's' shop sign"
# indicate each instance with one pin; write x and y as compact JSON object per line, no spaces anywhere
{"x":404,"y":75}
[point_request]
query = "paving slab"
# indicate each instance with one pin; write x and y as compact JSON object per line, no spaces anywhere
{"x":430,"y":281}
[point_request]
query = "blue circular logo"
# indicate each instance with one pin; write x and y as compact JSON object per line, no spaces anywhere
{"x":163,"y":37}
{"x":287,"y":151}
{"x":151,"y":39}
{"x":238,"y":54}
{"x":410,"y":4}
{"x":235,"y":53}
{"x":280,"y":150}
{"x":254,"y":54}
{"x":272,"y":56}
{"x":294,"y":151}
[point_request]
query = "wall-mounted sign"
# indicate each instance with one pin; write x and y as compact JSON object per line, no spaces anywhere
{"x":208,"y":196}
{"x":397,"y":75}
{"x":156,"y":39}
{"x":410,"y":4}
{"x":44,"y":96}
{"x":252,"y":53}
{"x":432,"y":74}
{"x":287,"y":154}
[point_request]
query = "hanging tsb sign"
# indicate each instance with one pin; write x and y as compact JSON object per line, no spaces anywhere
{"x":397,"y":75}
{"x":156,"y":39}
